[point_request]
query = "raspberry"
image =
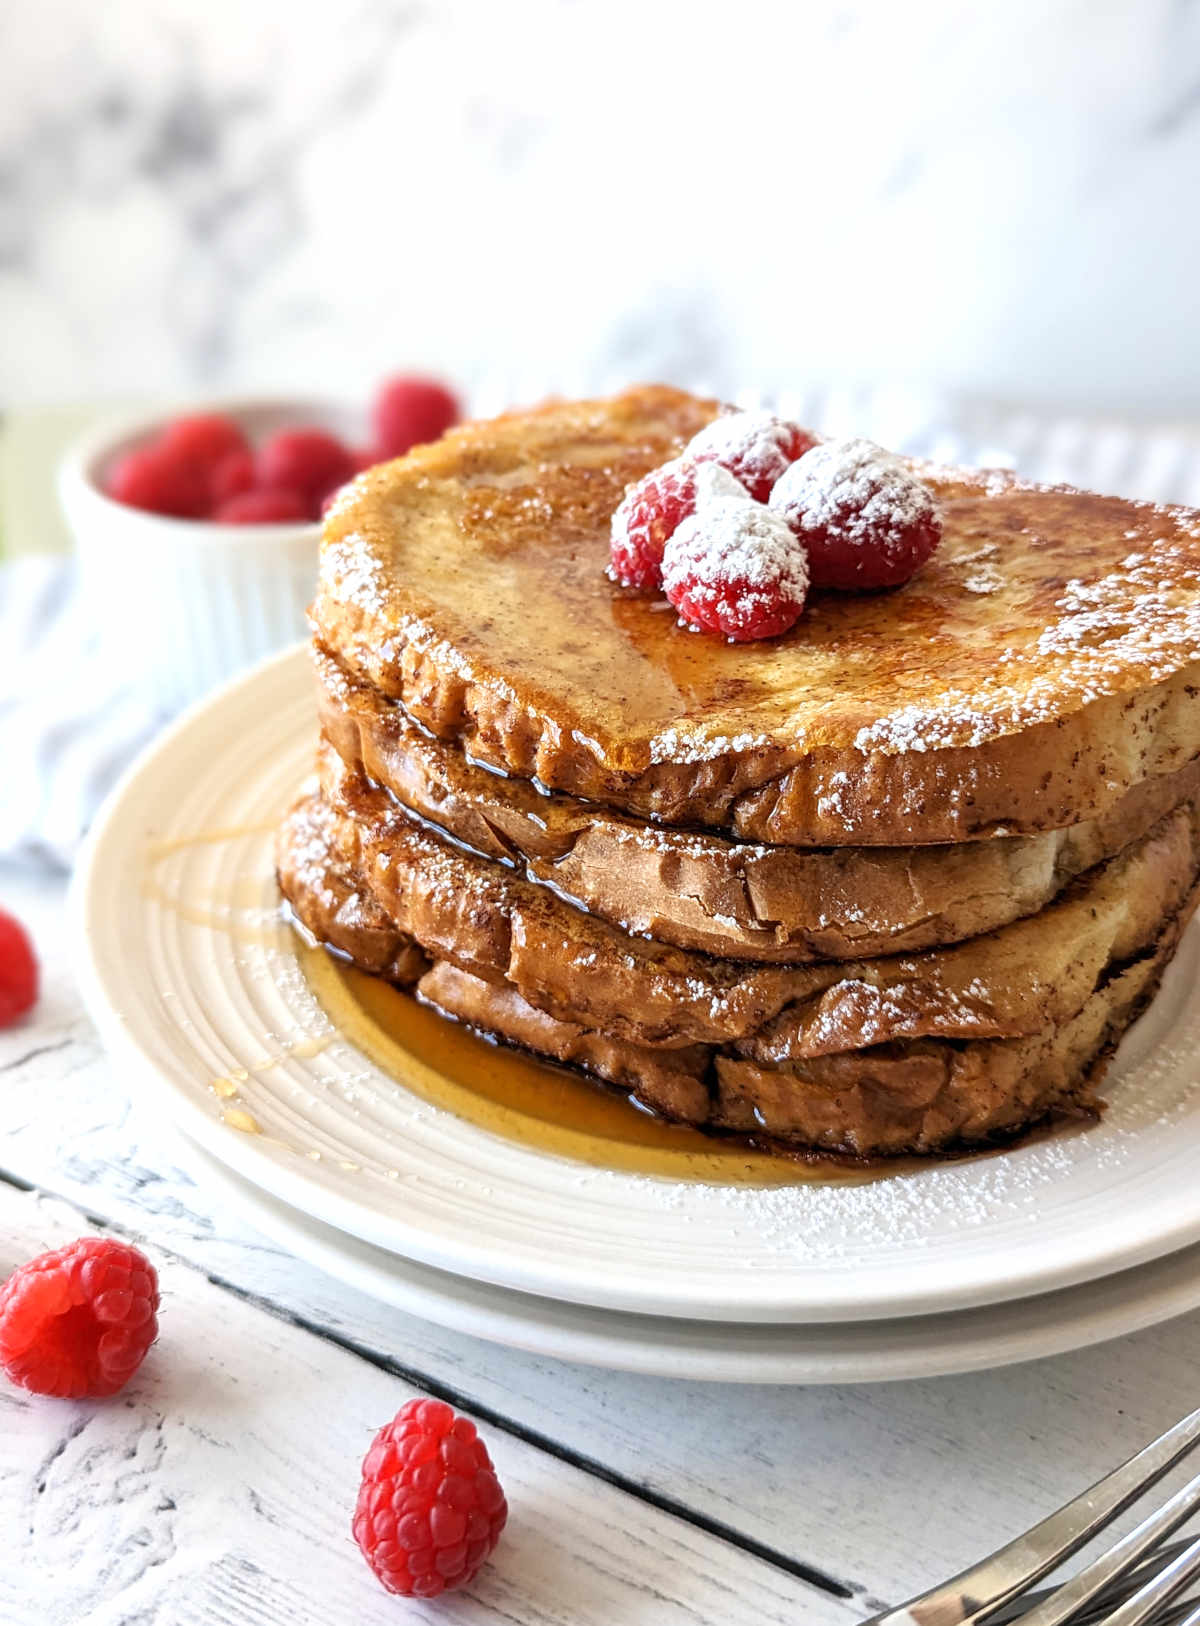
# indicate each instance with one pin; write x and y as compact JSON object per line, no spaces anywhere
{"x":263,"y":506}
{"x":409,"y":411}
{"x":756,"y":447}
{"x":232,"y":476}
{"x":430,"y":1508}
{"x":649,"y":515}
{"x":18,"y":970}
{"x":160,"y":482}
{"x":736,"y":568}
{"x":204,"y":438}
{"x":866,"y":520}
{"x":309,"y":461}
{"x":79,"y":1320}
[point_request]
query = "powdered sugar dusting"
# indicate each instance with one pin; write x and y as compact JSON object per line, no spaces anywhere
{"x":981,"y":574}
{"x":714,"y":482}
{"x":1144,"y":614}
{"x":869,"y":493}
{"x":731,"y":539}
{"x":836,"y":799}
{"x":756,"y":443}
{"x":353,"y":573}
{"x":927,"y":728}
{"x":1136,"y":626}
{"x":680,"y":745}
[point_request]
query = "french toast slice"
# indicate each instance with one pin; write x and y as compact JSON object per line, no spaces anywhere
{"x":936,"y":1096}
{"x":697,"y":890}
{"x":489,"y":921}
{"x":333,"y":906}
{"x":917,"y":1096}
{"x":1045,"y":660}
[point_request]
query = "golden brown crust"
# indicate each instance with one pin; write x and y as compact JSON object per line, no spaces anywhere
{"x":1045,"y":660}
{"x":669,"y":1082}
{"x":336,"y":909}
{"x":491,"y":922}
{"x":930,"y":1096}
{"x":920,"y":1095}
{"x":697,"y":890}
{"x":920,"y":1098}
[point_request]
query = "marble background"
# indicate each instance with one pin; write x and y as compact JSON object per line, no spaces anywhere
{"x":993,"y":199}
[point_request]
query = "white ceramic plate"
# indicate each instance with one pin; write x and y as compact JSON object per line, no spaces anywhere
{"x":662,"y":1346}
{"x":192,"y":978}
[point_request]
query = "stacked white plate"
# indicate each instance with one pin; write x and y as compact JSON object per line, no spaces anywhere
{"x":194,"y":981}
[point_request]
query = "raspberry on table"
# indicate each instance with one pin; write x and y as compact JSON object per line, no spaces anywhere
{"x":78,"y":1320}
{"x":309,"y":461}
{"x":865,"y":518}
{"x":203,"y":438}
{"x":18,"y":970}
{"x":159,"y":481}
{"x":755,"y":447}
{"x":430,"y":1508}
{"x":736,"y":568}
{"x":263,"y":506}
{"x":410,"y":411}
{"x":651,"y":512}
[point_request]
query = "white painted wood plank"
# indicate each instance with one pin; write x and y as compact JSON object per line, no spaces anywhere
{"x":220,"y":1487}
{"x":885,"y":1487}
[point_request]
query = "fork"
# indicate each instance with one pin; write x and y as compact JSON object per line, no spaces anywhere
{"x":1133,"y":1583}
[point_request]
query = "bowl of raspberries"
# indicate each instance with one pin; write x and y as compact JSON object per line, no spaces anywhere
{"x":197,"y":531}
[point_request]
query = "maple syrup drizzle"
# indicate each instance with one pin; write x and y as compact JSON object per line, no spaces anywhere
{"x":513,"y":1095}
{"x":157,"y":850}
{"x":239,"y":1118}
{"x":504,"y":1091}
{"x":248,"y":896}
{"x":230,"y":1083}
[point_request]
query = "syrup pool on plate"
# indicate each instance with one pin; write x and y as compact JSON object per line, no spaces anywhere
{"x":532,"y":1102}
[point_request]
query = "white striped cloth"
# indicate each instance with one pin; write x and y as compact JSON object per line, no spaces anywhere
{"x":69,"y":727}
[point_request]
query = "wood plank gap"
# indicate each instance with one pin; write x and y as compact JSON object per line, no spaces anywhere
{"x":460,"y":1399}
{"x":464,"y":1401}
{"x":38,"y":1050}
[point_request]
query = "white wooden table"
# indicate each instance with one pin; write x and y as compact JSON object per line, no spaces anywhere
{"x":219,"y":1487}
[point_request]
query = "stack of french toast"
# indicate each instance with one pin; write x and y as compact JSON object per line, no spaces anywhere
{"x":895,"y":882}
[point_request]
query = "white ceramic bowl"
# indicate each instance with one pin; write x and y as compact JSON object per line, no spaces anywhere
{"x":184,"y":604}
